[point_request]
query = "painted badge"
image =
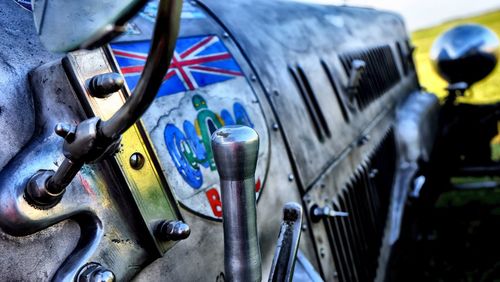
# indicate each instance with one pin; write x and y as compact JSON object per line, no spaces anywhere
{"x":204,"y":89}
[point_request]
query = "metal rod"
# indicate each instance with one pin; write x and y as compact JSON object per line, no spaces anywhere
{"x":288,"y":244}
{"x":157,"y":63}
{"x":63,"y":176}
{"x":235,"y":153}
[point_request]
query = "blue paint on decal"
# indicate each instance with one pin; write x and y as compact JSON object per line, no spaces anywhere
{"x":241,"y":115}
{"x":227,"y":118}
{"x":177,"y":145}
{"x":195,"y":143}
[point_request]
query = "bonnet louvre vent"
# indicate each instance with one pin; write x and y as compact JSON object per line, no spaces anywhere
{"x":380,"y":75}
{"x":355,"y":240}
{"x":318,"y":119}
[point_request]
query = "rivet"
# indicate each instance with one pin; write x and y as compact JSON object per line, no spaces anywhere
{"x":225,"y":35}
{"x":137,"y":160}
{"x":322,"y":252}
{"x":276,"y":92}
{"x":253,"y":78}
{"x":304,"y":227}
{"x":275,"y":127}
{"x":290,"y":177}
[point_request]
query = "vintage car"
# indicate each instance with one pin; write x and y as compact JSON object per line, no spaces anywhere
{"x":232,"y":140}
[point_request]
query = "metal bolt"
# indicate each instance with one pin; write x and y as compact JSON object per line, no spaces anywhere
{"x":225,"y":35}
{"x":275,"y":127}
{"x":94,"y":272}
{"x":307,"y":198}
{"x":322,"y":252}
{"x":253,"y":78}
{"x":290,"y":177}
{"x":66,"y":131}
{"x":363,"y":140}
{"x":103,"y":85}
{"x":304,"y":227}
{"x":172,"y":230}
{"x":137,"y":161}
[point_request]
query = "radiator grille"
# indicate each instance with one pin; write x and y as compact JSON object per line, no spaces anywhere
{"x":380,"y":75}
{"x":356,"y":239}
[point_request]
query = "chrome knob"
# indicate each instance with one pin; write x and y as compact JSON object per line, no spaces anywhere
{"x":318,"y":213}
{"x":172,"y":230}
{"x":235,"y":151}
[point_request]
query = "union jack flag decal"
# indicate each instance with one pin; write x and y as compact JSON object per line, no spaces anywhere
{"x":197,"y":62}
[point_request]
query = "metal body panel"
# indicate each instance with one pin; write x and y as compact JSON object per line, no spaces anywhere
{"x":20,"y":53}
{"x":278,"y":36}
{"x":315,"y":143}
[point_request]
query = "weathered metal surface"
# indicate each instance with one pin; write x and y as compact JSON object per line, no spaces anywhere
{"x":281,"y":38}
{"x":20,"y":52}
{"x":293,"y":85}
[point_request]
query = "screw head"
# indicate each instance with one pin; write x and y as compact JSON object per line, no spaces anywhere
{"x":275,"y":127}
{"x":290,"y":177}
{"x":137,"y":160}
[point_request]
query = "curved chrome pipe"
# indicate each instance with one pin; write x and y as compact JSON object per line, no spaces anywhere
{"x":93,"y":138}
{"x":158,"y":61}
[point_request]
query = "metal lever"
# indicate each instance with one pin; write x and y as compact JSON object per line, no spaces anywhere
{"x":319,"y":213}
{"x":94,"y":139}
{"x":235,"y":151}
{"x":357,"y":69}
{"x":288,"y":244}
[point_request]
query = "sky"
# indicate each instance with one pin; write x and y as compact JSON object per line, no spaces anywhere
{"x":424,"y":13}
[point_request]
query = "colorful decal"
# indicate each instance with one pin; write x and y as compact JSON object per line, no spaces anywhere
{"x":26,"y":4}
{"x":197,"y":62}
{"x":204,"y":90}
{"x":192,"y":149}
